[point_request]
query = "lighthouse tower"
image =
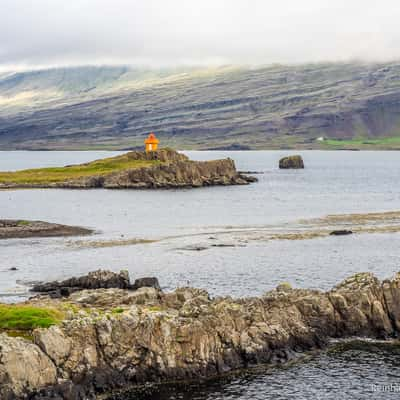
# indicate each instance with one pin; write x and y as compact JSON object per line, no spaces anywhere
{"x":151,"y":143}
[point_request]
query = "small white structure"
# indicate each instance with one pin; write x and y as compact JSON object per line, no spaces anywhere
{"x":320,"y":139}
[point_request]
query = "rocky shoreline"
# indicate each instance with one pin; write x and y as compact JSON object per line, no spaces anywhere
{"x":169,"y":169}
{"x":112,"y":338}
{"x":18,"y":229}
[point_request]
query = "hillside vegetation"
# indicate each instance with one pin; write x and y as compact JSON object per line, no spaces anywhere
{"x":351,"y":105}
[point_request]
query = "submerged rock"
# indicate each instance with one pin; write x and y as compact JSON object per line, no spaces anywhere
{"x":291,"y":162}
{"x":341,"y":232}
{"x":114,"y":338}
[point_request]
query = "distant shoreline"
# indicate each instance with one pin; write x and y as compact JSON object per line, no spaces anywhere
{"x":210,"y":150}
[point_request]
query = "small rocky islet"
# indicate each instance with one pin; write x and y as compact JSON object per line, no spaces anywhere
{"x":164,"y":168}
{"x":291,"y":162}
{"x":106,"y":335}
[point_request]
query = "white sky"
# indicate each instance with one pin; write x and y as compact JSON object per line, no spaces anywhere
{"x":179,"y":32}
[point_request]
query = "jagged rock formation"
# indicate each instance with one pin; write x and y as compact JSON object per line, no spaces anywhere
{"x":158,"y":336}
{"x":179,"y":174}
{"x":10,"y":229}
{"x":99,"y":279}
{"x":173,"y":170}
{"x":291,"y":162}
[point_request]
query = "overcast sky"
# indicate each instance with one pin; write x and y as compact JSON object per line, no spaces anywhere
{"x":36,"y":33}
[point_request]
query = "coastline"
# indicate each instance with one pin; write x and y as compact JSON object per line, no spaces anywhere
{"x":111,"y":337}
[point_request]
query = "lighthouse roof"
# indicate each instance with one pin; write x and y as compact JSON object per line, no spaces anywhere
{"x":151,"y":139}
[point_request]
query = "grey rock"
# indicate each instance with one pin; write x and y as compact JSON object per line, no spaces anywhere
{"x":146,"y":282}
{"x":93,"y":280}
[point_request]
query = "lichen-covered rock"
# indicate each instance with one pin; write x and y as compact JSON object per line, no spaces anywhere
{"x":24,"y":367}
{"x":109,"y":298}
{"x":291,"y":162}
{"x":119,"y":337}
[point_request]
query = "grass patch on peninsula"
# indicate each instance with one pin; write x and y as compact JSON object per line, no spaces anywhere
{"x":15,"y":317}
{"x":72,"y":172}
{"x":359,"y":143}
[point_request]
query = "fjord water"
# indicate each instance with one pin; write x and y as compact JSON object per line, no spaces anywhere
{"x":180,"y":220}
{"x":351,"y":371}
{"x":332,"y":183}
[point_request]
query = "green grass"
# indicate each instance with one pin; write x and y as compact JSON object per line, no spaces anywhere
{"x":23,"y":223}
{"x":26,"y":318}
{"x":154,"y":308}
{"x":62,"y":174}
{"x":387,"y":142}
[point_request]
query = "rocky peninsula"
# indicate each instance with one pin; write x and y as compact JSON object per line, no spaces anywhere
{"x":165,"y":168}
{"x":116,"y":335}
{"x":12,"y":229}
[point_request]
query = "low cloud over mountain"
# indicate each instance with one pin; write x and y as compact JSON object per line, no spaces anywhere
{"x":167,"y":33}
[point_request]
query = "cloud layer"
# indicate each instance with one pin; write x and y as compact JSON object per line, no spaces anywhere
{"x":178,"y":32}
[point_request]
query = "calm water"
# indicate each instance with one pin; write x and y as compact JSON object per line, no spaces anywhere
{"x":332,"y":183}
{"x":351,"y":371}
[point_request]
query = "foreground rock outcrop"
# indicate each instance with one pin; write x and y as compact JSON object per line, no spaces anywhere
{"x":164,"y":169}
{"x":10,"y":229}
{"x":114,"y":338}
{"x":291,"y":162}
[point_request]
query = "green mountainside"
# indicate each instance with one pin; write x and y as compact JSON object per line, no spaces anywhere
{"x":325,"y":106}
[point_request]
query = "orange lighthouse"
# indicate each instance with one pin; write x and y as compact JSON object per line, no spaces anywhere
{"x":151,"y":142}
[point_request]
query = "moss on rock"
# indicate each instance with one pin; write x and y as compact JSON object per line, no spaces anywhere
{"x":26,"y":318}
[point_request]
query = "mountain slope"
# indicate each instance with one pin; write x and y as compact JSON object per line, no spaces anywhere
{"x":270,"y":107}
